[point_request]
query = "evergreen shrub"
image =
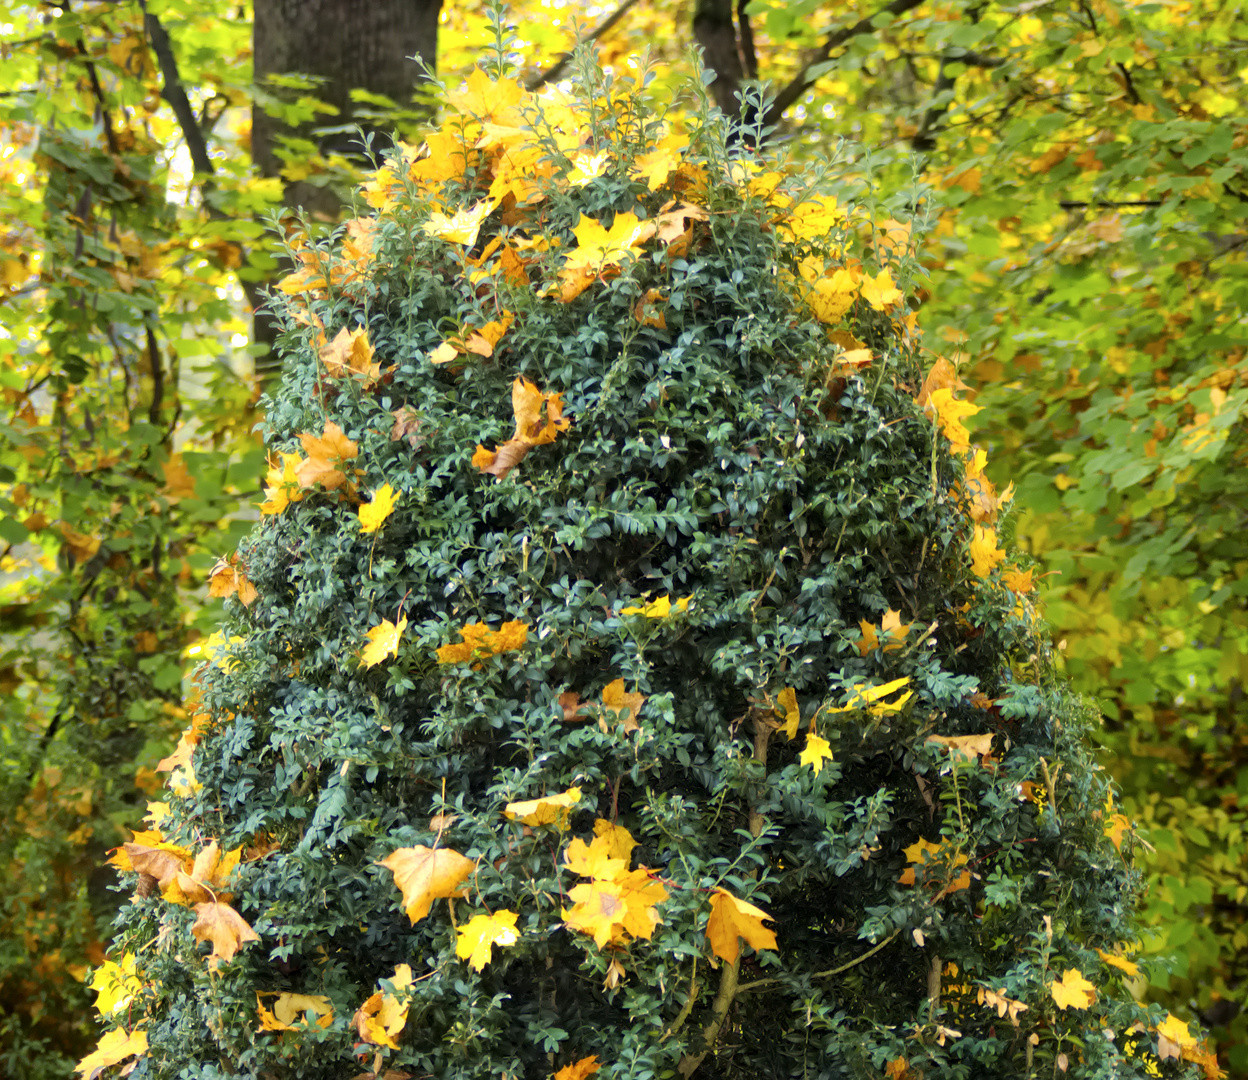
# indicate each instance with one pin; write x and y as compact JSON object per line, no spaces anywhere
{"x":633,"y":684}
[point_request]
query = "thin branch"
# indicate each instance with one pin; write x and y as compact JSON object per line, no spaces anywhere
{"x":158,"y":377}
{"x":834,"y":41}
{"x":1069,"y":204}
{"x":175,"y":94}
{"x":536,"y":82}
{"x":719,"y":1013}
{"x":749,"y":55}
{"x":758,"y":984}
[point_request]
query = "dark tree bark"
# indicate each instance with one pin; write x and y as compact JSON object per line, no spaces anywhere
{"x":715,"y":31}
{"x":350,"y":45}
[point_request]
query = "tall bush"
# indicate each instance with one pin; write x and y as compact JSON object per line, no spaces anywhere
{"x":633,"y":682}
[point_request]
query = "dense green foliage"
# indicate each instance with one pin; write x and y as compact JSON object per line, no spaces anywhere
{"x":731,"y":453}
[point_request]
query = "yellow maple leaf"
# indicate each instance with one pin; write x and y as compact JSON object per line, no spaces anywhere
{"x":479,"y":642}
{"x":546,"y":810}
{"x":327,"y":454}
{"x":382,"y":1017}
{"x":1072,"y":990}
{"x":615,"y":698}
{"x":424,"y":875}
{"x":351,"y":354}
{"x":619,"y":841}
{"x":879,"y":291}
{"x":1120,"y":962}
{"x":970,"y":747}
{"x":786,"y":706}
{"x":985,"y":555}
{"x":655,"y":166}
{"x":1176,"y":1031}
{"x":598,"y":910}
{"x":733,"y":919}
{"x":922,"y":852}
{"x":532,"y":429}
{"x":116,"y":984}
{"x":225,"y":580}
{"x":224,"y":927}
{"x":489,"y":100}
{"x":383,"y":641}
{"x":461,"y":227}
{"x":114,"y":1046}
{"x":373,"y":514}
{"x":579,"y":1070}
{"x":289,"y":1011}
{"x":811,"y":219}
{"x":594,"y":860}
{"x":660,"y":608}
{"x":1018,"y":581}
{"x":817,"y":751}
{"x":282,"y":484}
{"x":586,"y":167}
{"x":949,"y":414}
{"x":477,"y":939}
{"x":869,"y":698}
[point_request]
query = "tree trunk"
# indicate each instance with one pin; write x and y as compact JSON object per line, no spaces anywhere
{"x":346,"y":45}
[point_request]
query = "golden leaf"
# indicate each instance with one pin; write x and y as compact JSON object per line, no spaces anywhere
{"x":1018,"y":581}
{"x":547,"y":810}
{"x":1072,"y":990}
{"x":163,"y":861}
{"x":326,"y":455}
{"x":380,"y":1019}
{"x":426,"y":874}
{"x":970,"y":747}
{"x":383,"y":641}
{"x":1120,"y":962}
{"x":224,"y":927}
{"x":985,"y":555}
{"x":282,"y":484}
{"x":527,"y":404}
{"x":817,"y":751}
{"x":477,"y":939}
{"x":114,"y":1046}
{"x":949,"y":413}
{"x":579,"y":1070}
{"x":461,"y":227}
{"x":731,"y":920}
{"x":868,"y":698}
{"x":879,"y":291}
{"x":289,"y":1011}
{"x":617,"y":700}
{"x":225,"y":579}
{"x":618,"y":840}
{"x":479,"y":642}
{"x":786,"y":706}
{"x":658,"y":609}
{"x":373,"y":514}
{"x":995,"y":999}
{"x":116,"y":984}
{"x":351,"y":354}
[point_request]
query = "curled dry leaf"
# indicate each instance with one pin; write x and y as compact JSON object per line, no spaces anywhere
{"x":224,"y":927}
{"x":733,"y":919}
{"x":289,"y":1011}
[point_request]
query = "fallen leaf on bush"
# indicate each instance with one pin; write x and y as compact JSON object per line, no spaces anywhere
{"x":869,"y":698}
{"x":289,"y":1011}
{"x":373,"y":514}
{"x":224,"y":927}
{"x":383,"y":641}
{"x":406,"y":426}
{"x":658,"y":609}
{"x":327,"y":453}
{"x":618,"y":840}
{"x":879,"y":291}
{"x":116,"y":984}
{"x":1072,"y":990}
{"x":985,"y":555}
{"x":186,"y":744}
{"x":616,"y":699}
{"x":351,"y":354}
{"x":786,"y":707}
{"x":970,"y":747}
{"x":943,"y":376}
{"x":114,"y":1046}
{"x":479,"y":642}
{"x":225,"y":580}
{"x":162,"y":861}
{"x":594,"y":860}
{"x":1173,"y":1037}
{"x":922,"y":852}
{"x":997,"y":1000}
{"x":547,"y":810}
{"x":1018,"y":581}
{"x":579,"y":1070}
{"x":527,"y":404}
{"x":461,"y":227}
{"x":648,"y":312}
{"x":1120,"y":962}
{"x":732,"y":919}
{"x":482,"y":341}
{"x":817,"y":751}
{"x":424,"y":875}
{"x":282,"y":484}
{"x":477,"y":939}
{"x":380,"y":1019}
{"x":949,"y":414}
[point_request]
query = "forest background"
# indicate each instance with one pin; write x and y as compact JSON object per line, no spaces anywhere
{"x":1077,"y":169}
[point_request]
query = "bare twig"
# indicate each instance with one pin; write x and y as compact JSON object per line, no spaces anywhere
{"x":536,"y":82}
{"x":759,"y":984}
{"x":833,"y":41}
{"x":175,"y":94}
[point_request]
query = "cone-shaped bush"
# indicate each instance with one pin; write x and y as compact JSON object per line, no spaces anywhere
{"x":635,"y":684}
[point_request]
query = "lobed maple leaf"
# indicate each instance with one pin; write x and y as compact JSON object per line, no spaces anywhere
{"x":479,"y":642}
{"x":162,"y":861}
{"x":282,"y":484}
{"x":383,"y":641}
{"x":351,"y":354}
{"x":206,"y":879}
{"x":116,"y":984}
{"x":546,"y":810}
{"x":477,"y":939}
{"x":220,"y":924}
{"x":658,"y":609}
{"x":1073,"y":991}
{"x":1018,"y":581}
{"x":893,"y":629}
{"x":732,"y":920}
{"x":922,"y":853}
{"x":114,"y":1046}
{"x":424,"y":875}
{"x":879,"y":291}
{"x":869,"y":698}
{"x":579,"y":1070}
{"x":461,"y":227}
{"x":985,"y":555}
{"x":817,"y":751}
{"x":615,"y":698}
{"x":949,"y":413}
{"x":382,"y":1017}
{"x":970,"y":747}
{"x":226,"y":579}
{"x":786,"y":707}
{"x":373,"y":514}
{"x":290,"y":1011}
{"x":527,"y":405}
{"x":600,"y":251}
{"x":327,"y":454}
